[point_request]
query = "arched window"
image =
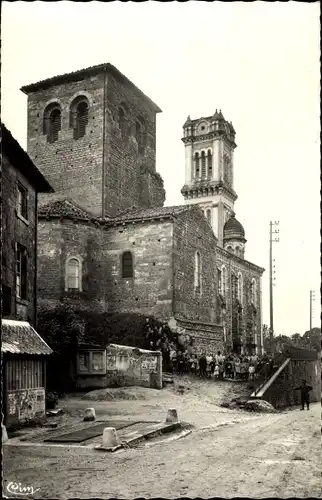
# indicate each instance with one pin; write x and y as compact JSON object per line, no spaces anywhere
{"x":127,"y":265}
{"x":254,"y":292}
{"x":223,"y":281}
{"x":140,"y":135}
{"x":197,"y":270}
{"x":240,"y":288}
{"x":230,"y":249}
{"x":73,"y":281}
{"x":203,"y":164}
{"x":79,"y":116}
{"x":197,"y":165}
{"x":209,"y":159}
{"x":52,"y":122}
{"x":237,"y":251}
{"x":208,"y":215}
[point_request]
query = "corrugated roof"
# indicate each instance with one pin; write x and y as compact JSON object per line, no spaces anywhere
{"x":149,"y":213}
{"x":19,"y":337}
{"x":64,"y":208}
{"x":78,"y":75}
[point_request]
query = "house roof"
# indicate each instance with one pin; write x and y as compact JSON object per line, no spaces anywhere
{"x":64,"y":208}
{"x":149,"y":213}
{"x":22,"y":161}
{"x":19,"y":337}
{"x":78,"y":75}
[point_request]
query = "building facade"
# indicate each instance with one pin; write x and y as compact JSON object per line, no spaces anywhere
{"x":105,"y":239}
{"x":209,"y":183}
{"x":23,"y":351}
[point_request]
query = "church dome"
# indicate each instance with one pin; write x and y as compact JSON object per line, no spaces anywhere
{"x":233,"y":229}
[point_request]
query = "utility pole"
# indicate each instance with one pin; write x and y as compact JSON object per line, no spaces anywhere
{"x":271,"y":277}
{"x":312,"y":298}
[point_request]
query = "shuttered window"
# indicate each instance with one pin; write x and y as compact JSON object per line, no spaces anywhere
{"x":203,"y":164}
{"x":127,"y":265}
{"x":52,"y":122}
{"x":78,"y":118}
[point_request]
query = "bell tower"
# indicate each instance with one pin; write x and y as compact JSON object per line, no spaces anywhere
{"x":209,"y":168}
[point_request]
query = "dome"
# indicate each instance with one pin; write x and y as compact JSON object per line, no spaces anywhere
{"x":233,"y":229}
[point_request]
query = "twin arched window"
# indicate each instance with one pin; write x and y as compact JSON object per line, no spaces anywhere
{"x":52,"y":122}
{"x":127,"y":265}
{"x":78,"y":119}
{"x":73,"y":275}
{"x":203,"y":165}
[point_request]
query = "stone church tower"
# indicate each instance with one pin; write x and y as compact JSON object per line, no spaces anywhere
{"x":209,"y":169}
{"x":92,"y":134}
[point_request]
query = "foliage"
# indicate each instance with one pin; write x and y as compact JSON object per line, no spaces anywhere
{"x":310,"y":340}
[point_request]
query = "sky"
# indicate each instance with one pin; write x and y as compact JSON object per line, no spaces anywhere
{"x":256,"y":61}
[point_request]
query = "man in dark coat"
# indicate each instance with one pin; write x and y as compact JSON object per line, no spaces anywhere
{"x":305,"y":394}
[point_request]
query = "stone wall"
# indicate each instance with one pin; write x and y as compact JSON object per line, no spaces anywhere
{"x":130,"y":178}
{"x":193,"y":234}
{"x":18,"y":230}
{"x":24,"y":406}
{"x":103,"y":172}
{"x":248,"y":324}
{"x":72,"y":167}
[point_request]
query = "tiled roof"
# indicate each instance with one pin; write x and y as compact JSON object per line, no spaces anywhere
{"x":19,"y":337}
{"x":78,"y":75}
{"x":64,"y":208}
{"x":149,"y":213}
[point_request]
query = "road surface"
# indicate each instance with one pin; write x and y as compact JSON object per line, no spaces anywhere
{"x":275,"y":455}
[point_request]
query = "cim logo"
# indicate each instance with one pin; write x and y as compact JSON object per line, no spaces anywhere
{"x":18,"y":489}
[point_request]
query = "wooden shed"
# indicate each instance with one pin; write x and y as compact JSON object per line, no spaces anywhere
{"x":23,"y":354}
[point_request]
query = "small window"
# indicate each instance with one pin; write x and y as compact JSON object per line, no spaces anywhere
{"x":197,"y":270}
{"x":79,"y":116}
{"x":22,"y":201}
{"x":91,"y":362}
{"x":73,"y":278}
{"x":223,"y":287}
{"x":209,"y":158}
{"x":127,"y":265}
{"x":21,"y":272}
{"x":6,"y":300}
{"x":52,"y":122}
{"x":197,"y":165}
{"x":240,"y":288}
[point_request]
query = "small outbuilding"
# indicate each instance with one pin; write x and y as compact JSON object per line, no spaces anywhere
{"x":23,"y":356}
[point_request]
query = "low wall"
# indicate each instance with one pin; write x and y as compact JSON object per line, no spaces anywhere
{"x":25,"y":405}
{"x":126,"y":366}
{"x":280,"y":393}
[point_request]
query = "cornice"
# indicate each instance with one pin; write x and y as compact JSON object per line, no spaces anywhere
{"x":209,"y":136}
{"x":239,"y":260}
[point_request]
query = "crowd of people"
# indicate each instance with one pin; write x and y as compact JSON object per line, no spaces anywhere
{"x":219,"y":366}
{"x":180,"y":359}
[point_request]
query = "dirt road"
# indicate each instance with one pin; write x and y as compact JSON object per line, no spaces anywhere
{"x":275,"y":455}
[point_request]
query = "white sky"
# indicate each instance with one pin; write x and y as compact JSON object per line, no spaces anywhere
{"x":258,"y":62}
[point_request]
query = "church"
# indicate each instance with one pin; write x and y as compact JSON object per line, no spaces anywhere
{"x":106,"y":240}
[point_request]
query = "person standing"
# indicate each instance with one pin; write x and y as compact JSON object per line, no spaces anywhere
{"x":305,"y":394}
{"x":202,"y":365}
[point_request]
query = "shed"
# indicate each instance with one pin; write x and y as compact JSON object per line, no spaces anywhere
{"x":23,"y":354}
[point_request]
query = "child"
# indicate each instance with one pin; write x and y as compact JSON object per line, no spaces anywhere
{"x":251,"y":371}
{"x":216,"y":372}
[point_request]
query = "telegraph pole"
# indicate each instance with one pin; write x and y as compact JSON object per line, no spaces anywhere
{"x":271,"y":277}
{"x":312,"y":298}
